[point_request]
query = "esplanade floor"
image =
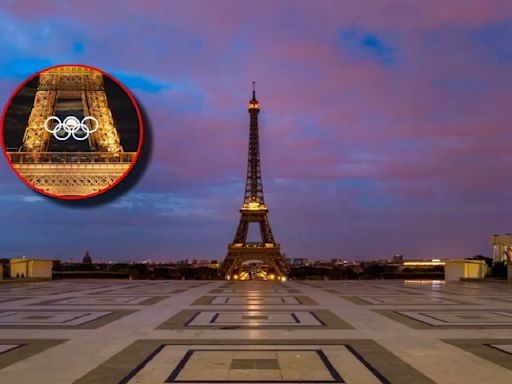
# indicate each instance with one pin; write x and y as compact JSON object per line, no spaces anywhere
{"x":255,"y":332}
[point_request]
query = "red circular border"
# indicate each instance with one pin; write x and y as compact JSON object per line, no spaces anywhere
{"x":66,"y":197}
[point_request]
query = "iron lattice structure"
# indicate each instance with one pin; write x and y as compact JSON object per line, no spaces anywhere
{"x":71,"y":82}
{"x":71,"y":173}
{"x":254,"y":210}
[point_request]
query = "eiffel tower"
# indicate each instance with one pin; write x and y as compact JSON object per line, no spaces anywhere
{"x":254,"y":210}
{"x":71,"y":173}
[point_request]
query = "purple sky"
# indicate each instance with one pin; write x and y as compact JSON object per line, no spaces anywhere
{"x":385,"y":125}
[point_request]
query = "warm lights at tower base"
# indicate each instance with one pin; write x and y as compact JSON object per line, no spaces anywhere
{"x":261,"y":275}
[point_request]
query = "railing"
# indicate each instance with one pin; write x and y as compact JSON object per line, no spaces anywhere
{"x":69,"y":87}
{"x":255,"y":245}
{"x":70,"y":157}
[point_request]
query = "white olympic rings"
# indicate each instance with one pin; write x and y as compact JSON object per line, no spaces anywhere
{"x":63,"y":130}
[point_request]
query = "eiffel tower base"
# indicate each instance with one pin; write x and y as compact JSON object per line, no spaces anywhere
{"x":238,"y":254}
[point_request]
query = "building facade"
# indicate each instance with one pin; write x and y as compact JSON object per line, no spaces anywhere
{"x":31,"y":268}
{"x":502,"y":248}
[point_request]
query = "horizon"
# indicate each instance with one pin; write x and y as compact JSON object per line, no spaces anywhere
{"x":383,"y":129}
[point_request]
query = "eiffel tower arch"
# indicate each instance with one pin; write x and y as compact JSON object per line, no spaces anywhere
{"x":253,"y":210}
{"x":64,"y":172}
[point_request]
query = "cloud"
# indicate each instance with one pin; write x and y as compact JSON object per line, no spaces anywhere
{"x":141,"y":83}
{"x":78,"y":47}
{"x":24,"y":66}
{"x":365,"y":43}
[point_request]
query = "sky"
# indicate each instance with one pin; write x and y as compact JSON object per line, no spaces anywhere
{"x":385,"y":126}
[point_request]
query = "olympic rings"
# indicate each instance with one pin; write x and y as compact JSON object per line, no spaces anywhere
{"x":63,"y":130}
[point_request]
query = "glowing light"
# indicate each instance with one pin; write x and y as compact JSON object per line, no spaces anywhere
{"x":254,"y":206}
{"x":254,"y":104}
{"x":423,"y":263}
{"x":431,"y":282}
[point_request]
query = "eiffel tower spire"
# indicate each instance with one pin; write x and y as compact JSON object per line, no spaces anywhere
{"x":253,"y":186}
{"x":254,"y":210}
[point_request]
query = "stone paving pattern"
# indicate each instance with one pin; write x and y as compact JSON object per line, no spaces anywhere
{"x":152,"y":332}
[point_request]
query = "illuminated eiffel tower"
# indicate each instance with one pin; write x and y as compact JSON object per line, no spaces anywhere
{"x":254,"y":210}
{"x":71,"y":173}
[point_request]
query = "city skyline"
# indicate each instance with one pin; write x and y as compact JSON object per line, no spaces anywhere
{"x":383,"y":129}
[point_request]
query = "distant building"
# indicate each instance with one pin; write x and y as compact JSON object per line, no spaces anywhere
{"x":214,"y":264}
{"x":87,"y":258}
{"x":455,"y":270}
{"x":297,"y":261}
{"x":502,"y":248}
{"x":397,"y":259}
{"x":31,"y":268}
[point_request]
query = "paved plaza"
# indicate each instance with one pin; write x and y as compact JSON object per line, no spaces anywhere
{"x":154,"y":332}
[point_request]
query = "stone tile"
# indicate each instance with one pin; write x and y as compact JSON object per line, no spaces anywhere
{"x":377,"y":331}
{"x":10,"y":299}
{"x":255,"y":319}
{"x":402,"y":300}
{"x":507,"y":348}
{"x":103,"y":300}
{"x":468,"y":317}
{"x":213,"y":363}
{"x":55,"y":319}
{"x":258,"y":364}
{"x":496,"y":351}
{"x":16,"y":350}
{"x":8,"y":347}
{"x":233,"y":319}
{"x":255,"y":300}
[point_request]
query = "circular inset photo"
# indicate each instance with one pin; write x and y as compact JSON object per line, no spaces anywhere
{"x":71,"y":131}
